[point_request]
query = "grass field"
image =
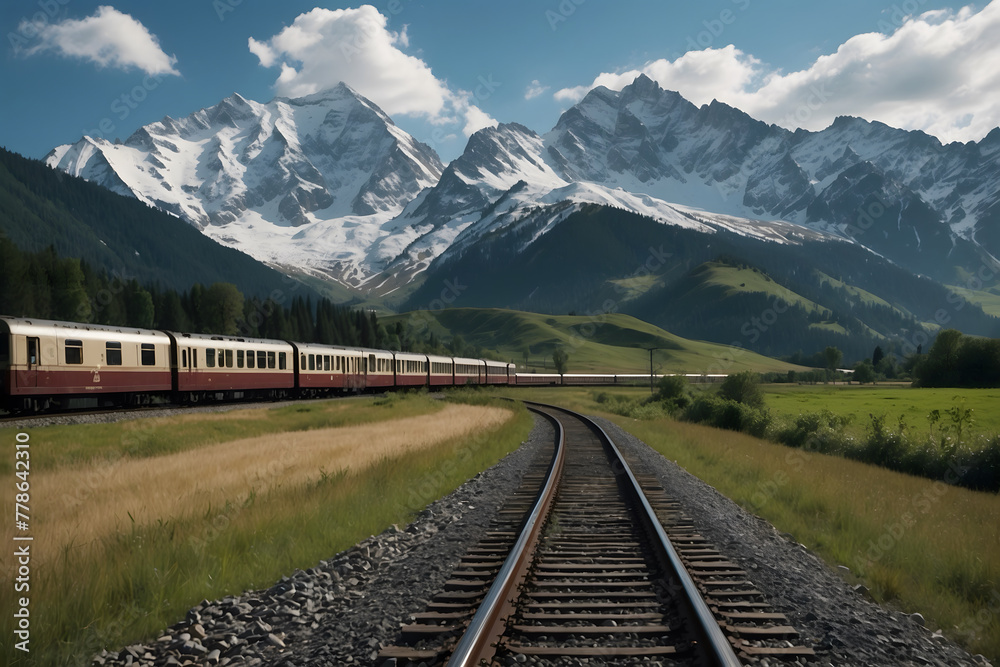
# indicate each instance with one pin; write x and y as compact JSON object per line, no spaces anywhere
{"x":130,"y":538}
{"x":919,"y":545}
{"x":858,"y":402}
{"x":611,"y":343}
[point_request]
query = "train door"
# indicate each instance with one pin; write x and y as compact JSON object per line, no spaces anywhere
{"x":30,"y":377}
{"x":189,"y":360}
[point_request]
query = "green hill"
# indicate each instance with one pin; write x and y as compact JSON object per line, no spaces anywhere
{"x":612,"y":343}
{"x":40,"y":207}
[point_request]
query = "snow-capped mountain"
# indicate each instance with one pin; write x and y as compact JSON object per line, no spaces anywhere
{"x":327,"y":184}
{"x":302,"y":183}
{"x":926,"y":206}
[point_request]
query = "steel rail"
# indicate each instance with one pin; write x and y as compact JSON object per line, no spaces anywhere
{"x":488,"y":624}
{"x":716,"y":644}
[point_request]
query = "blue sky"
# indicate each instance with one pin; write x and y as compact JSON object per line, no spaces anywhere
{"x":443,"y":69}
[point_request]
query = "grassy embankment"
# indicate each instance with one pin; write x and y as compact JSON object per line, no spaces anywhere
{"x":136,"y":522}
{"x":919,"y":545}
{"x":603,"y":343}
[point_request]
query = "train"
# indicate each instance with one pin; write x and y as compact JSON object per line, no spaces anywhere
{"x":47,"y":365}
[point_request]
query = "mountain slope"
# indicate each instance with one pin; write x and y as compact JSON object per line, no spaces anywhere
{"x":304,"y":183}
{"x":41,"y":207}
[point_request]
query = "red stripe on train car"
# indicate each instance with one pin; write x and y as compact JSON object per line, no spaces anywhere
{"x":227,"y":380}
{"x":99,"y":381}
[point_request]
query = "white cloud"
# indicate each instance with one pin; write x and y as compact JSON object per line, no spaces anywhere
{"x":324,"y":47}
{"x":700,"y":76}
{"x":476,"y":119}
{"x":534,"y":89}
{"x":938,"y":72}
{"x":108,"y":38}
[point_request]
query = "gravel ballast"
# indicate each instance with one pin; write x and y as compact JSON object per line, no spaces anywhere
{"x":343,"y":610}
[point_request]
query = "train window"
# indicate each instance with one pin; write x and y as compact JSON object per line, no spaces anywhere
{"x":229,"y":359}
{"x":302,"y":363}
{"x":239,"y":358}
{"x":194,"y":358}
{"x":270,"y":360}
{"x":113,"y":353}
{"x":250,"y":358}
{"x":74,"y":352}
{"x":326,"y":362}
{"x":312,"y":362}
{"x":210,"y":357}
{"x":262,"y":359}
{"x":184,"y":358}
{"x":282,"y":361}
{"x":147,"y":354}
{"x":336,"y":363}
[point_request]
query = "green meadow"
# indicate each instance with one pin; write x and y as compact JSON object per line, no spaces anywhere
{"x":893,"y":401}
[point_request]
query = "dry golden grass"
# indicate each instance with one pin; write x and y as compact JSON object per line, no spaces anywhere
{"x":76,"y":507}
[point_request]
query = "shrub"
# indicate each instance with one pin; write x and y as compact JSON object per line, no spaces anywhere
{"x":743,"y":387}
{"x":728,"y":414}
{"x":883,"y":446}
{"x":982,"y":467}
{"x":671,"y":387}
{"x":816,"y":431}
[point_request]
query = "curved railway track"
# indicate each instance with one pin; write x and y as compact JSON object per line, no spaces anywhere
{"x":579,"y":565}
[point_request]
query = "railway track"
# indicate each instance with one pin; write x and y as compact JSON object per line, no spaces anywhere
{"x":579,"y":566}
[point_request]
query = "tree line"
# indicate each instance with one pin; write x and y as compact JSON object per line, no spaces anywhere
{"x":45,"y":286}
{"x":957,"y":360}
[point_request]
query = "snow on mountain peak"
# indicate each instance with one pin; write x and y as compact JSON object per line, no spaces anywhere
{"x":329,"y":185}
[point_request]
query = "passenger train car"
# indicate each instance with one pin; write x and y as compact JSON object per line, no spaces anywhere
{"x":64,"y":365}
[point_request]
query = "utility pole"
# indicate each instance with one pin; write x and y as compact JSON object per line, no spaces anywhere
{"x":651,"y":367}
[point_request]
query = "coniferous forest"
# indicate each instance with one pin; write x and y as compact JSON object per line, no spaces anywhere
{"x":44,"y":285}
